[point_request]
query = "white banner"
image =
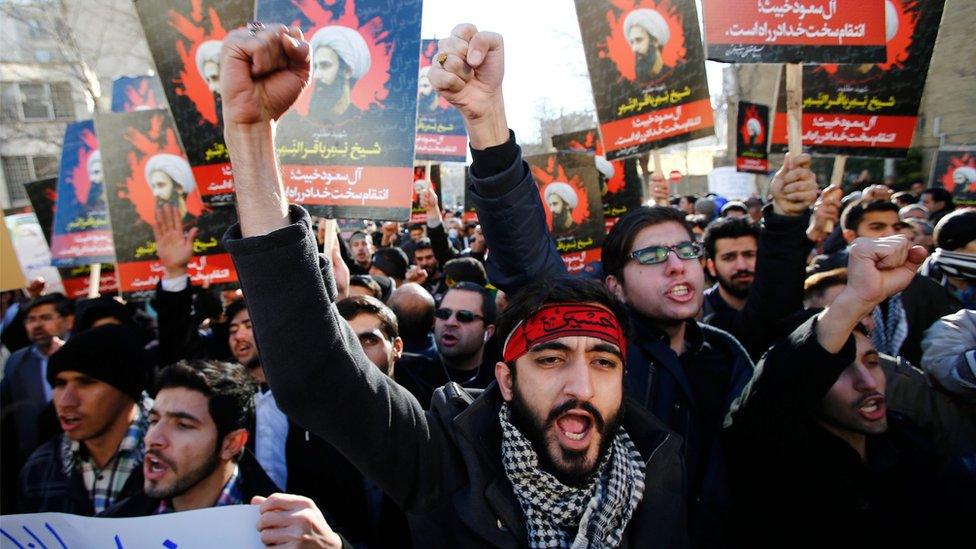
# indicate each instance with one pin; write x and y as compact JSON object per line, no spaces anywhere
{"x":731,"y":184}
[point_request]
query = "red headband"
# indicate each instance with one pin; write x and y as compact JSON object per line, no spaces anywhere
{"x":558,"y":320}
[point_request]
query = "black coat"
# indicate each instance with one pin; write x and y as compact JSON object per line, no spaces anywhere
{"x":443,"y":466}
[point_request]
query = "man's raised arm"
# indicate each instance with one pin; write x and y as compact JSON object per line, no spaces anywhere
{"x":468,"y":72}
{"x":317,"y":369}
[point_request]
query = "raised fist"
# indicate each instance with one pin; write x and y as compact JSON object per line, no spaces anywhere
{"x":262,"y":75}
{"x":881,"y":267}
{"x":794,"y":187}
{"x":826,"y":213}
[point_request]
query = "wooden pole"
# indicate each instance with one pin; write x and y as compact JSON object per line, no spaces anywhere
{"x":794,"y":108}
{"x":836,"y":179}
{"x":93,"y":279}
{"x":658,"y":169}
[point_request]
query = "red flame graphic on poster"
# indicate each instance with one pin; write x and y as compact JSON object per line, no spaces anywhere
{"x":370,"y":89}
{"x":79,"y":175}
{"x":592,"y":142}
{"x":961,"y":171}
{"x":145,"y":145}
{"x":757,"y":135}
{"x":555,"y":173}
{"x":191,"y":82}
{"x":897,"y":46}
{"x":618,"y":49}
{"x":141,"y":98}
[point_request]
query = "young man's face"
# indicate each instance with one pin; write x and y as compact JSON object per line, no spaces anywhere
{"x":87,"y":408}
{"x":566,"y":397}
{"x":456,"y":339}
{"x":44,"y":323}
{"x":381,"y":351}
{"x":856,"y":401}
{"x":416,"y":234}
{"x":932,"y":205}
{"x":879,"y":224}
{"x":241,"y":338}
{"x":734,"y":265}
{"x":181,"y":444}
{"x":361,"y":250}
{"x":669,"y":292}
{"x":425,"y":260}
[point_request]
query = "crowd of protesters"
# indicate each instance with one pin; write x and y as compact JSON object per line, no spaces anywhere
{"x":799,"y":370}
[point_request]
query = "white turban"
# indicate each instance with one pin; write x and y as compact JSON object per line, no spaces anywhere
{"x":208,"y":51}
{"x":649,"y":20}
{"x":754,"y":127}
{"x":348,"y":44}
{"x":604,"y":167}
{"x":891,"y":21}
{"x":564,"y":191}
{"x":174,"y":166}
{"x":966,"y":172}
{"x":95,"y":157}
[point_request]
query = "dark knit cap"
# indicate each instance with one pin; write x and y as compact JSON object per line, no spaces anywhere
{"x":956,"y":230}
{"x":112,"y":353}
{"x":392,"y":261}
{"x":465,"y":269}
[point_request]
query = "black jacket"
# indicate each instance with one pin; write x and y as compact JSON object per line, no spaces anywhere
{"x":443,"y":466}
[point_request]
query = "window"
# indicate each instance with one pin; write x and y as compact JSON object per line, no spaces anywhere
{"x":35,"y":101}
{"x":18,"y":170}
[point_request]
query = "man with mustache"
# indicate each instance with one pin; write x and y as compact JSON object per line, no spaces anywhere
{"x":731,"y":245}
{"x":524,"y":463}
{"x":647,"y":32}
{"x":341,"y":57}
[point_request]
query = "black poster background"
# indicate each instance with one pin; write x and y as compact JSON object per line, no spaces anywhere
{"x":954,"y":168}
{"x":417,"y":212}
{"x":586,"y":230}
{"x":43,"y":194}
{"x":752,"y":138}
{"x":620,"y":97}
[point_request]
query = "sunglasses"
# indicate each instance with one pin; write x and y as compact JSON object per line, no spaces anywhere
{"x":463,"y":316}
{"x":652,"y":255}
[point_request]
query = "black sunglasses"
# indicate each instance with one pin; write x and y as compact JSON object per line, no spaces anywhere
{"x":463,"y":315}
{"x":652,"y":255}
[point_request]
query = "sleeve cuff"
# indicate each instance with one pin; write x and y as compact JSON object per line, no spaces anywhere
{"x":301,"y":227}
{"x":177,"y":284}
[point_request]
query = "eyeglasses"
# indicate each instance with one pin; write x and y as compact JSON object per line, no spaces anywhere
{"x":652,"y":255}
{"x":463,"y":316}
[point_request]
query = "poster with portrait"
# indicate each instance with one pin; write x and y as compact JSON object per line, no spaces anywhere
{"x":30,"y":248}
{"x":570,"y":190}
{"x":647,"y":69}
{"x":814,"y":31}
{"x":81,"y":234}
{"x":421,"y":180}
{"x":440,"y":127}
{"x":347,"y":145}
{"x":954,"y":169}
{"x":137,"y":93}
{"x":185,"y":37}
{"x":145,"y":167}
{"x":620,"y":183}
{"x":43,"y":198}
{"x":869,"y":109}
{"x":752,"y":138}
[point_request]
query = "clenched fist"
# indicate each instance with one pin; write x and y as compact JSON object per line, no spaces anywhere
{"x":878,"y":268}
{"x":794,"y":187}
{"x":262,"y":75}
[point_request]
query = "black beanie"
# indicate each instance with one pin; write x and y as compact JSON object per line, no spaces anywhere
{"x":392,"y":261}
{"x":111,"y":353}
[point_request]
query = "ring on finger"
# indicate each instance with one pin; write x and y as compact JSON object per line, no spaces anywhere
{"x":254,"y":26}
{"x":441,"y":58}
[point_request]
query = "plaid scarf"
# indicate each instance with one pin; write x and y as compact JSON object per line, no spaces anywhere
{"x":590,"y":516}
{"x":891,"y":330}
{"x":231,"y":494}
{"x":104,"y":485}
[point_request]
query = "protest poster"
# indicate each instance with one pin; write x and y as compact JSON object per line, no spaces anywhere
{"x":647,"y":69}
{"x":570,"y":190}
{"x":421,"y":179}
{"x":30,"y":248}
{"x":788,"y":31}
{"x":470,"y":212}
{"x":76,"y":280}
{"x":145,"y":168}
{"x":226,"y":526}
{"x":11,"y":277}
{"x":869,"y":109}
{"x":185,"y":37}
{"x":137,"y":93}
{"x":752,"y":138}
{"x":729,"y":183}
{"x":954,"y":169}
{"x":80,"y":234}
{"x":620,"y":183}
{"x":347,"y":145}
{"x":441,"y":135}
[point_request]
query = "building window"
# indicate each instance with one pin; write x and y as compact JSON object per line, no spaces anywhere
{"x":36,"y":101}
{"x":18,"y":170}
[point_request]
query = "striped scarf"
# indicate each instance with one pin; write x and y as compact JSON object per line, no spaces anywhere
{"x":890,"y":331}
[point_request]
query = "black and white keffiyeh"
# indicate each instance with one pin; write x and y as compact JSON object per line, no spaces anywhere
{"x":590,"y":516}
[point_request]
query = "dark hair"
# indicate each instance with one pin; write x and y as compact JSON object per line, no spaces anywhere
{"x":691,"y":199}
{"x":489,"y":309}
{"x":351,"y":307}
{"x":559,"y":289}
{"x":727,"y":227}
{"x":368,"y":282}
{"x":815,"y":285}
{"x":956,"y":230}
{"x":236,"y":306}
{"x":854,"y":213}
{"x":392,"y":261}
{"x":939,"y":194}
{"x":414,"y":227}
{"x":228,"y":387}
{"x":904,"y":198}
{"x":62,"y":305}
{"x":616,"y":247}
{"x":422,"y":244}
